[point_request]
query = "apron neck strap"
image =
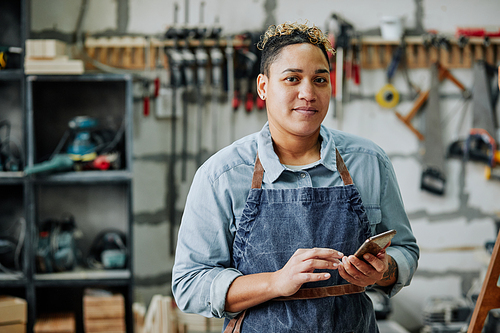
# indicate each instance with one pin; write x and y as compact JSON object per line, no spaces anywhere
{"x":258,"y":171}
{"x":342,"y":169}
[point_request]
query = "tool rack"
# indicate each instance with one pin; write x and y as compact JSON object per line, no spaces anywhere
{"x":376,"y":53}
{"x":140,"y":53}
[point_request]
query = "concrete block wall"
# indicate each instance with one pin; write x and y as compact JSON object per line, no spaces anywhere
{"x":451,"y":229}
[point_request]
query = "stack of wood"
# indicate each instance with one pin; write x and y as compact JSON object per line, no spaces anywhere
{"x":104,"y":314}
{"x":55,"y":323}
{"x":163,"y":316}
{"x":49,"y":56}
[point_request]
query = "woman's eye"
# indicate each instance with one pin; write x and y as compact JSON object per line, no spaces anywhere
{"x":292,"y":79}
{"x":321,"y":80}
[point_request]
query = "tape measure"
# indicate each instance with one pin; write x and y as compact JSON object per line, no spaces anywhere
{"x":388,"y":96}
{"x":3,"y":60}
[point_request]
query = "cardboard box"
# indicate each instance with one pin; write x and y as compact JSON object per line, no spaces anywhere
{"x":13,"y":310}
{"x":105,"y":325}
{"x":45,"y":48}
{"x":104,"y":313}
{"x":101,"y":307}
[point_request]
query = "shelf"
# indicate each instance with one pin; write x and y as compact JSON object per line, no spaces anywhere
{"x":11,"y":178}
{"x":83,"y":277}
{"x":12,"y":279}
{"x":11,"y":74}
{"x":86,"y":177}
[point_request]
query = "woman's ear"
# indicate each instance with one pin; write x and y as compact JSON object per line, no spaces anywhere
{"x":262,"y":86}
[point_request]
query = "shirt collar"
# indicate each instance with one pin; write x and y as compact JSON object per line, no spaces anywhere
{"x":271,"y":163}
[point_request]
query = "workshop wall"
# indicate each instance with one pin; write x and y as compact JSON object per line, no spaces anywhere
{"x":451,"y":229}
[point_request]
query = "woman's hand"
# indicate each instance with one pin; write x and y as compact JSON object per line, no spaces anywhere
{"x":300,"y":269}
{"x":381,"y":269}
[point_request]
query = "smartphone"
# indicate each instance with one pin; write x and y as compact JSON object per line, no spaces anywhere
{"x":375,"y":244}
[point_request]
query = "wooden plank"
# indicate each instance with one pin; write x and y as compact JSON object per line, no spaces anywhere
{"x":16,"y":328}
{"x":104,"y":325}
{"x":478,"y":52}
{"x":55,"y":323}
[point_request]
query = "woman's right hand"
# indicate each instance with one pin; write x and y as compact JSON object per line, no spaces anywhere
{"x":300,"y":269}
{"x":253,"y":289}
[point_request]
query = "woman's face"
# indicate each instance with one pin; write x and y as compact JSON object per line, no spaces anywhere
{"x":297,"y":90}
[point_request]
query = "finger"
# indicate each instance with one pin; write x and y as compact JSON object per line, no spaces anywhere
{"x":357,"y":268}
{"x":345,"y":275}
{"x":312,"y":277}
{"x":379,"y":264}
{"x":312,"y":264}
{"x":321,"y":253}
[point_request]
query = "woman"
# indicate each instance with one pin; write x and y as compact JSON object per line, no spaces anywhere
{"x":271,"y":222}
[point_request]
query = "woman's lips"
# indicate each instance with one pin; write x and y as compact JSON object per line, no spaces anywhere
{"x":305,"y":109}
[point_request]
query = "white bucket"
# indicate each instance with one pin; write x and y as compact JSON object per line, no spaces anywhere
{"x":391,"y":27}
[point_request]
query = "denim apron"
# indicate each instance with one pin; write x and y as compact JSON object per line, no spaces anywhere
{"x":277,"y":222}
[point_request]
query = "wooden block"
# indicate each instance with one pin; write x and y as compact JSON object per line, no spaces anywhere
{"x":456,"y":57}
{"x":12,"y":310}
{"x":478,"y":52}
{"x":422,"y":57}
{"x":55,"y":323}
{"x":467,"y":56}
{"x":411,"y":55}
{"x":104,"y":325}
{"x":489,"y":57}
{"x":433,"y":55}
{"x":388,"y":53}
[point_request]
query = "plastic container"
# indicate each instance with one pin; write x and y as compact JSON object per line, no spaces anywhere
{"x":391,"y":27}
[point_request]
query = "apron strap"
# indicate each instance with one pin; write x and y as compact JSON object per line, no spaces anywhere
{"x":258,"y":171}
{"x":234,"y":325}
{"x":310,"y":293}
{"x":342,"y":169}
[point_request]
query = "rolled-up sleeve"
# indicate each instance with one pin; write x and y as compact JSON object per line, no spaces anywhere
{"x":202,"y":275}
{"x":404,"y":248}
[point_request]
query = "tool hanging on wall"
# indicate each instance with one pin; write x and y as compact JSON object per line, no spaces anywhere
{"x":423,"y":96}
{"x":230,"y":81}
{"x":388,"y":96}
{"x":253,"y":70}
{"x":188,"y":63}
{"x":175,"y":63}
{"x":480,"y":144}
{"x":342,"y":42}
{"x":10,"y":57}
{"x":217,"y":59}
{"x":10,"y":159}
{"x":433,"y":175}
{"x":201,"y":57}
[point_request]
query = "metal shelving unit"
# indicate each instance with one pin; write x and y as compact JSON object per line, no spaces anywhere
{"x":38,"y":107}
{"x":98,"y":200}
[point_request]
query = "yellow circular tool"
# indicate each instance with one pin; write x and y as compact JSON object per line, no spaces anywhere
{"x":388,"y":96}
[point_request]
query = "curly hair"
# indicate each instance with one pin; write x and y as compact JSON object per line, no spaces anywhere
{"x":277,"y":37}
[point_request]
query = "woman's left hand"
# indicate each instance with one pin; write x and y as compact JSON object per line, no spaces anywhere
{"x":380,"y":269}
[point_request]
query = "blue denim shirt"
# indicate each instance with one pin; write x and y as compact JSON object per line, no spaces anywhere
{"x":202,"y":273}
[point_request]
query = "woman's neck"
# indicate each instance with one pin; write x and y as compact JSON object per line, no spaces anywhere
{"x":294,"y":150}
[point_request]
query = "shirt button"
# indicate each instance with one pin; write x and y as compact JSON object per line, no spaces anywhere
{"x":303,"y":175}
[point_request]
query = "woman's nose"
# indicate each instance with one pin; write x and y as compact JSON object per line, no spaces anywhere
{"x":306,"y":91}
